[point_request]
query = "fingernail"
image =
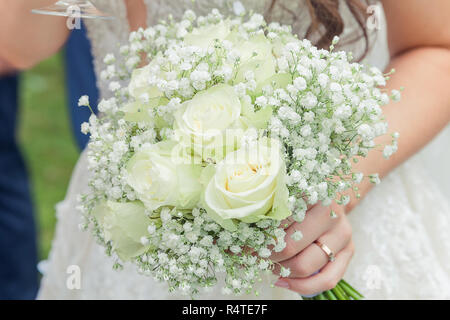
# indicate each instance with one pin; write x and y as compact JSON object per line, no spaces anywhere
{"x":282,"y":284}
{"x":310,"y":295}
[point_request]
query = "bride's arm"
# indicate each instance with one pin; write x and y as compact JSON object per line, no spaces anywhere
{"x":419,"y":43}
{"x":26,"y":38}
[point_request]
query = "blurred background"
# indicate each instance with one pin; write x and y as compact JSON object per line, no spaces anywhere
{"x":46,"y":140}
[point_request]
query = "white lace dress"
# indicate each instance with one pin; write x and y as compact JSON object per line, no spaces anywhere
{"x":401,"y":229}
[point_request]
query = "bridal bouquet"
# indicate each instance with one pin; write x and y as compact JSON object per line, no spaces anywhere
{"x":216,"y":131}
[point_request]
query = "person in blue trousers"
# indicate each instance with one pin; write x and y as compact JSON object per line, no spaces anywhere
{"x":18,"y":252}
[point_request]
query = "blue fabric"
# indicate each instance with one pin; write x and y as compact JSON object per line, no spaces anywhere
{"x":18,"y":254}
{"x":81,"y":81}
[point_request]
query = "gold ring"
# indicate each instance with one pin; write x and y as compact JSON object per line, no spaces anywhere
{"x":328,"y":252}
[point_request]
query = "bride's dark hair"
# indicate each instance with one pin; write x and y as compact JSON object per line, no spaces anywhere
{"x":327,"y":21}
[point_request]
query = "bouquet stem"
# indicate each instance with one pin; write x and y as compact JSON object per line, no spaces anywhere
{"x":342,"y":291}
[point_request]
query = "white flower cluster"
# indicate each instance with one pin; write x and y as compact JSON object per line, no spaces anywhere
{"x":327,"y":117}
{"x":308,"y":113}
{"x":192,"y":249}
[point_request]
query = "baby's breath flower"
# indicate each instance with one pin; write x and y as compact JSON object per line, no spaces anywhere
{"x":297,"y":235}
{"x":264,"y":253}
{"x":285,"y":272}
{"x":374,"y":178}
{"x":83,"y":101}
{"x":109,"y":59}
{"x":388,"y":151}
{"x":85,"y":128}
{"x":396,"y":95}
{"x":114,"y":86}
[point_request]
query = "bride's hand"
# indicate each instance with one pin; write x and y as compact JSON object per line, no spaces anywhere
{"x":305,"y":258}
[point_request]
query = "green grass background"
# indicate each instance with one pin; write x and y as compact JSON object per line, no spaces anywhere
{"x":46,"y":140}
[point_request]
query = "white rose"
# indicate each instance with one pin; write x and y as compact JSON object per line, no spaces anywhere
{"x":210,"y":123}
{"x":256,"y":56}
{"x":248,"y":185}
{"x":139,"y":84}
{"x":205,"y":36}
{"x":279,"y":44}
{"x":159,"y":180}
{"x":124,"y":224}
{"x":145,"y":96}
